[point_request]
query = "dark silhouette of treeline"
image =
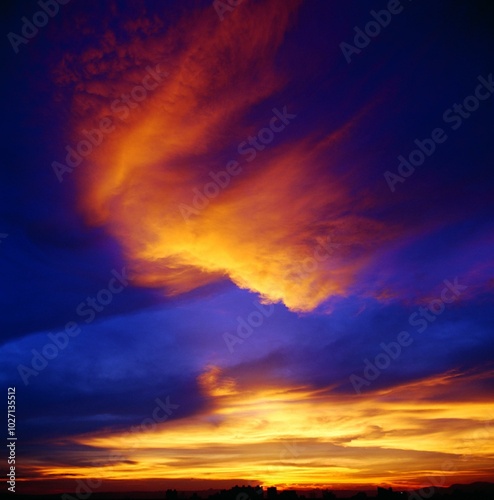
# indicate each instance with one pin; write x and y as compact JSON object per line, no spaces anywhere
{"x":476,"y":491}
{"x":479,"y":492}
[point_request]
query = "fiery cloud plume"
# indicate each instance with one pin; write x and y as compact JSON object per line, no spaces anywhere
{"x":269,"y":226}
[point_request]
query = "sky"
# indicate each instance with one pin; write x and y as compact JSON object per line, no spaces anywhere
{"x":247,"y":242}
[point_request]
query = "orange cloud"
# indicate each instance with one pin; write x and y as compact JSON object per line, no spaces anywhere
{"x":268,"y":229}
{"x":292,"y":436}
{"x":213,"y":384}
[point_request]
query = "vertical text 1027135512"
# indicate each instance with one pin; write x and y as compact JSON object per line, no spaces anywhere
{"x":11,"y":438}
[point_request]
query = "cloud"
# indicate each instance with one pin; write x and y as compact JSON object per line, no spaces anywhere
{"x":294,"y":435}
{"x":308,"y":224}
{"x":214,"y":384}
{"x":147,"y":184}
{"x":264,"y":230}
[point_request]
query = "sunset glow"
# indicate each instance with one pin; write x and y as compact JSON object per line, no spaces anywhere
{"x":249,"y":245}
